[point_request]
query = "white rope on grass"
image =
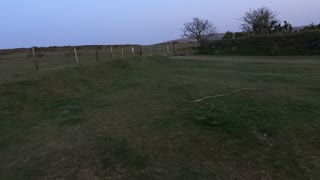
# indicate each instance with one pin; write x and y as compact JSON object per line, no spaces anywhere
{"x":226,"y":94}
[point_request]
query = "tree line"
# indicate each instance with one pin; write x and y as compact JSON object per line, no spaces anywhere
{"x":261,"y":21}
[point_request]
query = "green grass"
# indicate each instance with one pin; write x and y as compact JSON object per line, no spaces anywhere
{"x":138,"y":119}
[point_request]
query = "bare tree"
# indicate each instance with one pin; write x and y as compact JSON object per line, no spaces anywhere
{"x":198,"y":29}
{"x":259,"y":21}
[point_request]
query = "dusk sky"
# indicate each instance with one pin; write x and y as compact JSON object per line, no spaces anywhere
{"x":26,"y":23}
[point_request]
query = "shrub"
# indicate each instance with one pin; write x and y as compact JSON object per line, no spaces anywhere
{"x":302,"y":43}
{"x":311,"y":27}
{"x":239,"y":35}
{"x":228,"y":35}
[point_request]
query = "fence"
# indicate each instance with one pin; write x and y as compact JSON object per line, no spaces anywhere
{"x":31,"y":59}
{"x":169,"y":49}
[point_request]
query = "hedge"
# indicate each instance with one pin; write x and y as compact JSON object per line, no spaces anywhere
{"x":302,"y":43}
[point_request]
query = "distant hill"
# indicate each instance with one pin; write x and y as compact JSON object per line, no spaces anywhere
{"x":217,"y":36}
{"x":298,"y":28}
{"x":178,"y":41}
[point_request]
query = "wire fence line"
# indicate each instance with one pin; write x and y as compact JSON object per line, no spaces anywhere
{"x":171,"y":49}
{"x":31,"y":59}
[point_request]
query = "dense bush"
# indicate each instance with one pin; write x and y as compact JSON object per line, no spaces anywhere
{"x":312,"y":27}
{"x":303,"y":43}
{"x":239,"y":34}
{"x":228,"y":35}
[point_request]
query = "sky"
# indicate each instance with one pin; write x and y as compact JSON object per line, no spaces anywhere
{"x":27,"y":23}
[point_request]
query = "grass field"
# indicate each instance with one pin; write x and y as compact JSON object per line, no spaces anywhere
{"x":138,"y":119}
{"x":25,"y":66}
{"x":14,"y":62}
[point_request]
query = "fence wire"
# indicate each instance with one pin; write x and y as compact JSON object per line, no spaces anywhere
{"x":32,"y":59}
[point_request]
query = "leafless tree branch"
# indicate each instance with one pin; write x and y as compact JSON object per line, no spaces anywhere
{"x":198,"y":29}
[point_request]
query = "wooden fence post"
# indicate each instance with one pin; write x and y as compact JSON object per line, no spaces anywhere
{"x":197,"y":49}
{"x":175,"y":49}
{"x":76,"y":54}
{"x":97,"y":55}
{"x":122,"y":53}
{"x":33,"y":52}
{"x":35,"y":58}
{"x":111,"y":49}
{"x":168,"y":50}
